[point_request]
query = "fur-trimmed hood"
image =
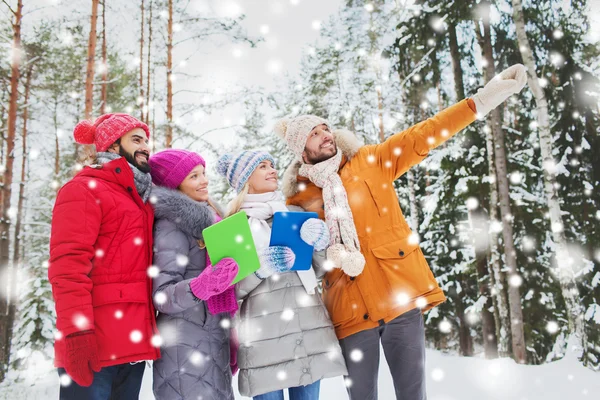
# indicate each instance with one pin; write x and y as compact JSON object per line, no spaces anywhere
{"x":189,"y":215}
{"x":346,"y":142}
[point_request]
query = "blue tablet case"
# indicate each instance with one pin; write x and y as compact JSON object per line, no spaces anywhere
{"x":286,"y":232}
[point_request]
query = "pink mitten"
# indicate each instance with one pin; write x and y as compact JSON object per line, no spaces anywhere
{"x":223,"y":302}
{"x":214,"y":280}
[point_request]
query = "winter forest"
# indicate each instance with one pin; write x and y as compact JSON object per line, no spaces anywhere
{"x":507,"y":212}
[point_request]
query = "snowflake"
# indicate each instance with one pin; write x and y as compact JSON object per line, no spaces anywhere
{"x":81,"y":322}
{"x":65,"y":380}
{"x":437,"y":374}
{"x":281,"y":375}
{"x":515,"y":280}
{"x":552,"y":327}
{"x":196,"y":358}
{"x":402,"y":299}
{"x":118,"y":314}
{"x":445,"y":326}
{"x":136,"y":336}
{"x":137,"y":241}
{"x":472,"y":203}
{"x":153,"y":271}
{"x":160,"y":298}
{"x":421,"y":302}
{"x":287,"y":314}
{"x":356,"y":355}
{"x":156,"y":341}
{"x":225,"y":323}
{"x":181,"y":260}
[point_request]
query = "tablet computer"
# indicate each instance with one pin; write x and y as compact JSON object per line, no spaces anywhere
{"x":286,"y":232}
{"x":232,"y":238}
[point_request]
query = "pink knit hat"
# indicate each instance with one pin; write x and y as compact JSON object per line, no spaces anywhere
{"x":170,"y":167}
{"x":106,"y":130}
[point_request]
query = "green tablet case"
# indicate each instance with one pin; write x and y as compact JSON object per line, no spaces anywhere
{"x":232,"y":238}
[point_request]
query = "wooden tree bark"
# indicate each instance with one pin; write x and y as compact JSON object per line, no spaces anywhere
{"x":489,"y":321}
{"x":169,"y":131}
{"x":142,"y":63}
{"x":5,"y":270}
{"x":104,"y":91}
{"x":56,"y":142}
{"x":17,"y":248}
{"x":380,"y":115}
{"x":564,"y":269}
{"x":459,"y":86}
{"x":148,"y":72}
{"x":510,"y":254}
{"x":85,"y":152}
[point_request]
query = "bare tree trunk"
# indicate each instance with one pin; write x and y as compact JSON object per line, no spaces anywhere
{"x":169,"y":133}
{"x":85,"y":152}
{"x":459,"y":86}
{"x":142,"y":63}
{"x":563,"y":268}
{"x":56,"y":142}
{"x":148,"y":73}
{"x":380,"y":107}
{"x":104,"y":62}
{"x":489,"y":321}
{"x":16,"y":254}
{"x":6,"y":272}
{"x":510,"y":253}
{"x":464,"y":332}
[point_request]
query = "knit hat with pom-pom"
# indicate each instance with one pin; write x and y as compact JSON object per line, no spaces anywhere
{"x":171,"y":166}
{"x":295,"y":131}
{"x":237,"y":168}
{"x":106,"y":130}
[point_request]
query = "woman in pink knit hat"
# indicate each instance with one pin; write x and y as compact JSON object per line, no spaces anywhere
{"x":194,"y":298}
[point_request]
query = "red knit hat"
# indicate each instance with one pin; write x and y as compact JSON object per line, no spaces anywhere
{"x":106,"y":130}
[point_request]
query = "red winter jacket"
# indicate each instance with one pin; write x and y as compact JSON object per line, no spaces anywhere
{"x":100,"y":251}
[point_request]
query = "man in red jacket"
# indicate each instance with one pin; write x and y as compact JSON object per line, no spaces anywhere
{"x":100,"y":252}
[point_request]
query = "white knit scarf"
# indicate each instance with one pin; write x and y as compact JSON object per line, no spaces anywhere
{"x":261,"y":207}
{"x":335,"y":199}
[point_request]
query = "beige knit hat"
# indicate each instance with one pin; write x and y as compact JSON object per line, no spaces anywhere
{"x":295,"y":131}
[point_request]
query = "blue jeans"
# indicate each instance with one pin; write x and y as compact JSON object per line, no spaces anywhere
{"x":308,"y":392}
{"x":118,"y":382}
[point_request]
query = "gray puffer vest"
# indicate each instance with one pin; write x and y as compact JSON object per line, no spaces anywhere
{"x":286,"y":336}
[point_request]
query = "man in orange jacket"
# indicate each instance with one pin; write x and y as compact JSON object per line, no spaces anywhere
{"x":380,"y":282}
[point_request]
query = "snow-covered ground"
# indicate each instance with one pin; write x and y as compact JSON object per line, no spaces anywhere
{"x":448,"y":378}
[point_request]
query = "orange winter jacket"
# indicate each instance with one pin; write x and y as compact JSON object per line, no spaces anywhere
{"x":396,"y":277}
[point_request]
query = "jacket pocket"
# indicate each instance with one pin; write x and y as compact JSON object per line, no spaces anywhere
{"x":376,"y":195}
{"x":405,"y":268}
{"x":122,"y":320}
{"x":336,"y":298}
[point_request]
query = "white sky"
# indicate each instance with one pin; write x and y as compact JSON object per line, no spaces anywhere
{"x":286,"y":25}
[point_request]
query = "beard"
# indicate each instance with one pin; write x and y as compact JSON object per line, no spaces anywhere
{"x":317,"y":157}
{"x":131,"y":159}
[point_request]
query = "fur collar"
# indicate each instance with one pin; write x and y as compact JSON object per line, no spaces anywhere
{"x":190,"y":216}
{"x":346,"y":142}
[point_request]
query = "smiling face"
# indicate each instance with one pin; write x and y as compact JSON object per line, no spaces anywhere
{"x":320,"y":145}
{"x":133,"y":146}
{"x":263,"y":179}
{"x":195,"y":184}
